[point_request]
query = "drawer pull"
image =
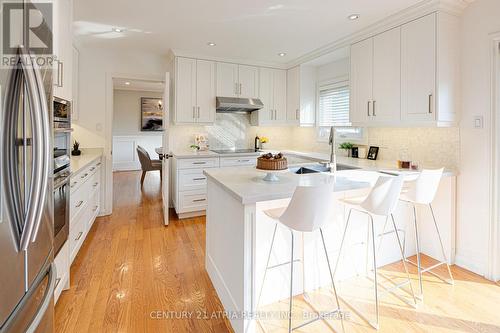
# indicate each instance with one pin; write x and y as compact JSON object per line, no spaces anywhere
{"x":57,"y":282}
{"x":95,"y":208}
{"x":199,"y":200}
{"x":199,"y":178}
{"x":85,"y":175}
{"x":79,"y":204}
{"x":73,"y":184}
{"x":243,"y":161}
{"x":92,"y":169}
{"x":98,"y":164}
{"x":95,"y":184}
{"x":79,"y":236}
{"x":199,"y":162}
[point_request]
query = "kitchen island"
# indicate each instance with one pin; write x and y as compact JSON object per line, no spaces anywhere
{"x":238,"y":236}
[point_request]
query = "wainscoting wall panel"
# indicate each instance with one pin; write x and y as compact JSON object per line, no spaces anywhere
{"x":125,"y":150}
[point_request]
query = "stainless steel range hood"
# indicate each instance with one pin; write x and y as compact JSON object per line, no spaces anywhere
{"x":238,"y":105}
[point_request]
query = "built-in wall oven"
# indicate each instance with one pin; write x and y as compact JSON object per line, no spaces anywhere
{"x":62,"y":171}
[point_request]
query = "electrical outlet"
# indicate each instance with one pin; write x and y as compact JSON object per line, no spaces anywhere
{"x":478,"y":122}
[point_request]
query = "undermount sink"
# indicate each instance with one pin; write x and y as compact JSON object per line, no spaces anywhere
{"x":319,"y":168}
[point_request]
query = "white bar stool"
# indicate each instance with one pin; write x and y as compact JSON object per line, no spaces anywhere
{"x":422,"y":191}
{"x":309,"y":209}
{"x":381,"y":201}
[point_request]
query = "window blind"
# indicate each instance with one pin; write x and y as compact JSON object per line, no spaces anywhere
{"x":334,"y":105}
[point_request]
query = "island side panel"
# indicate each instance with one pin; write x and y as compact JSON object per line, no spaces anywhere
{"x":229,"y":256}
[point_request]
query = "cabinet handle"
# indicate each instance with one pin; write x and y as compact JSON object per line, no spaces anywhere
{"x":57,"y":282}
{"x":199,"y":178}
{"x":98,"y":164}
{"x":374,"y":103}
{"x":79,"y":236}
{"x":243,"y":161}
{"x":368,"y":108}
{"x":236,"y":88}
{"x":61,"y":72}
{"x":199,"y":200}
{"x":199,"y":162}
{"x":297,"y":114}
{"x":95,"y":184}
{"x":430,"y":103}
{"x":198,"y":113}
{"x":275,"y":114}
{"x":92,"y":169}
{"x":73,"y":184}
{"x":79,"y":204}
{"x":240,"y":88}
{"x":85,"y":175}
{"x":271,"y":111}
{"x":194,"y":112}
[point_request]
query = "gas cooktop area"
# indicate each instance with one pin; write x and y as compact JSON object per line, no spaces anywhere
{"x":235,"y":151}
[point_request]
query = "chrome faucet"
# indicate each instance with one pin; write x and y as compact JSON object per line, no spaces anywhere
{"x":333,"y":155}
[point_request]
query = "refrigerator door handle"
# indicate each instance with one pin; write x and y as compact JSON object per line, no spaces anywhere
{"x":36,"y":192}
{"x":49,"y":294}
{"x":45,"y":144}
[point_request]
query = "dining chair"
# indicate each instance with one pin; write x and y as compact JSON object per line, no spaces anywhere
{"x":147,"y":164}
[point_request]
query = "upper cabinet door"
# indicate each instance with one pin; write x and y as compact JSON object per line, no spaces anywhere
{"x":279,"y":95}
{"x":185,"y":90}
{"x":227,"y":80}
{"x":293,"y":95}
{"x":266,"y":114}
{"x":361,"y":81}
{"x":205,"y":91}
{"x":248,"y":77}
{"x":63,"y":49}
{"x":418,"y":69}
{"x":386,"y":105}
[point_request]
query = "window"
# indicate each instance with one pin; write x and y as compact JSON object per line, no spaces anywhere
{"x":333,"y":110}
{"x":333,"y":106}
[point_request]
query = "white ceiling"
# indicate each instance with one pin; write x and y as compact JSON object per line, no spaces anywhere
{"x":137,"y":85}
{"x":253,"y":30}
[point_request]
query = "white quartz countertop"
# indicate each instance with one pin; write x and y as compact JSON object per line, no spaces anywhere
{"x":247,"y":186}
{"x":89,"y":155}
{"x":184,"y":154}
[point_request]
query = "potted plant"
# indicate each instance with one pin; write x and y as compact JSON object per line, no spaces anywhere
{"x":347,"y":146}
{"x":76,"y":151}
{"x":195,"y":148}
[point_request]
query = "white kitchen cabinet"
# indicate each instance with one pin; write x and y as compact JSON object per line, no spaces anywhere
{"x":430,"y":70}
{"x":85,"y":193}
{"x":235,"y":80}
{"x":301,"y":95}
{"x":237,"y":161}
{"x":248,"y":77}
{"x":419,"y":68}
{"x":63,"y":49}
{"x":227,"y":80}
{"x":75,"y":106}
{"x":190,"y":185}
{"x":272,"y":93}
{"x":386,"y":104}
{"x":205,"y":91}
{"x":407,"y":76}
{"x":61,"y":261}
{"x":194,"y":91}
{"x":361,"y":81}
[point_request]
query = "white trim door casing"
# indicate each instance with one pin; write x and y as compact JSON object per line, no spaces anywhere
{"x":165,"y":187}
{"x":493,"y":272}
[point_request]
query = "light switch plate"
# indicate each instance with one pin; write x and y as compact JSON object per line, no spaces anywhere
{"x":478,"y":122}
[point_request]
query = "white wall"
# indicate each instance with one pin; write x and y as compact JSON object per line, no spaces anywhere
{"x":127,"y":134}
{"x":479,"y":20}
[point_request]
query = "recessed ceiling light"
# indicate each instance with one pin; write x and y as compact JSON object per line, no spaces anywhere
{"x":127,"y":83}
{"x":117,"y":30}
{"x":353,"y":17}
{"x":282,"y":54}
{"x":211,"y":44}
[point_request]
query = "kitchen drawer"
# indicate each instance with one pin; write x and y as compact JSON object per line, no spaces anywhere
{"x":94,"y":181}
{"x":94,"y":205}
{"x":77,"y":233}
{"x":78,"y":201}
{"x":192,"y":201}
{"x":79,"y":179}
{"x":192,"y":179}
{"x":61,"y":262}
{"x":94,"y":167}
{"x":238,"y":161}
{"x":198,"y":163}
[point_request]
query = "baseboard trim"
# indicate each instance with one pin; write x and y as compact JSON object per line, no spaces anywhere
{"x":470,"y":264}
{"x":191,"y":214}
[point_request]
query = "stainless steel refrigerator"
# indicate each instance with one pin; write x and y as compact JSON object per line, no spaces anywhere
{"x":27,"y":273}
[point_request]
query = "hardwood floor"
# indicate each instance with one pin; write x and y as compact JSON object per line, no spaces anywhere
{"x":132,"y":270}
{"x":132,"y":273}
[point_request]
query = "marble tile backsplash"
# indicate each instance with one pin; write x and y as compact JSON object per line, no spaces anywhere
{"x":428,"y":146}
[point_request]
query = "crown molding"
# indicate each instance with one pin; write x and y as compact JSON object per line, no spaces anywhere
{"x":187,"y":54}
{"x":454,"y":7}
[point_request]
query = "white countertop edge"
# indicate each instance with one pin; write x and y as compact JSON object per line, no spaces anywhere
{"x":88,"y":156}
